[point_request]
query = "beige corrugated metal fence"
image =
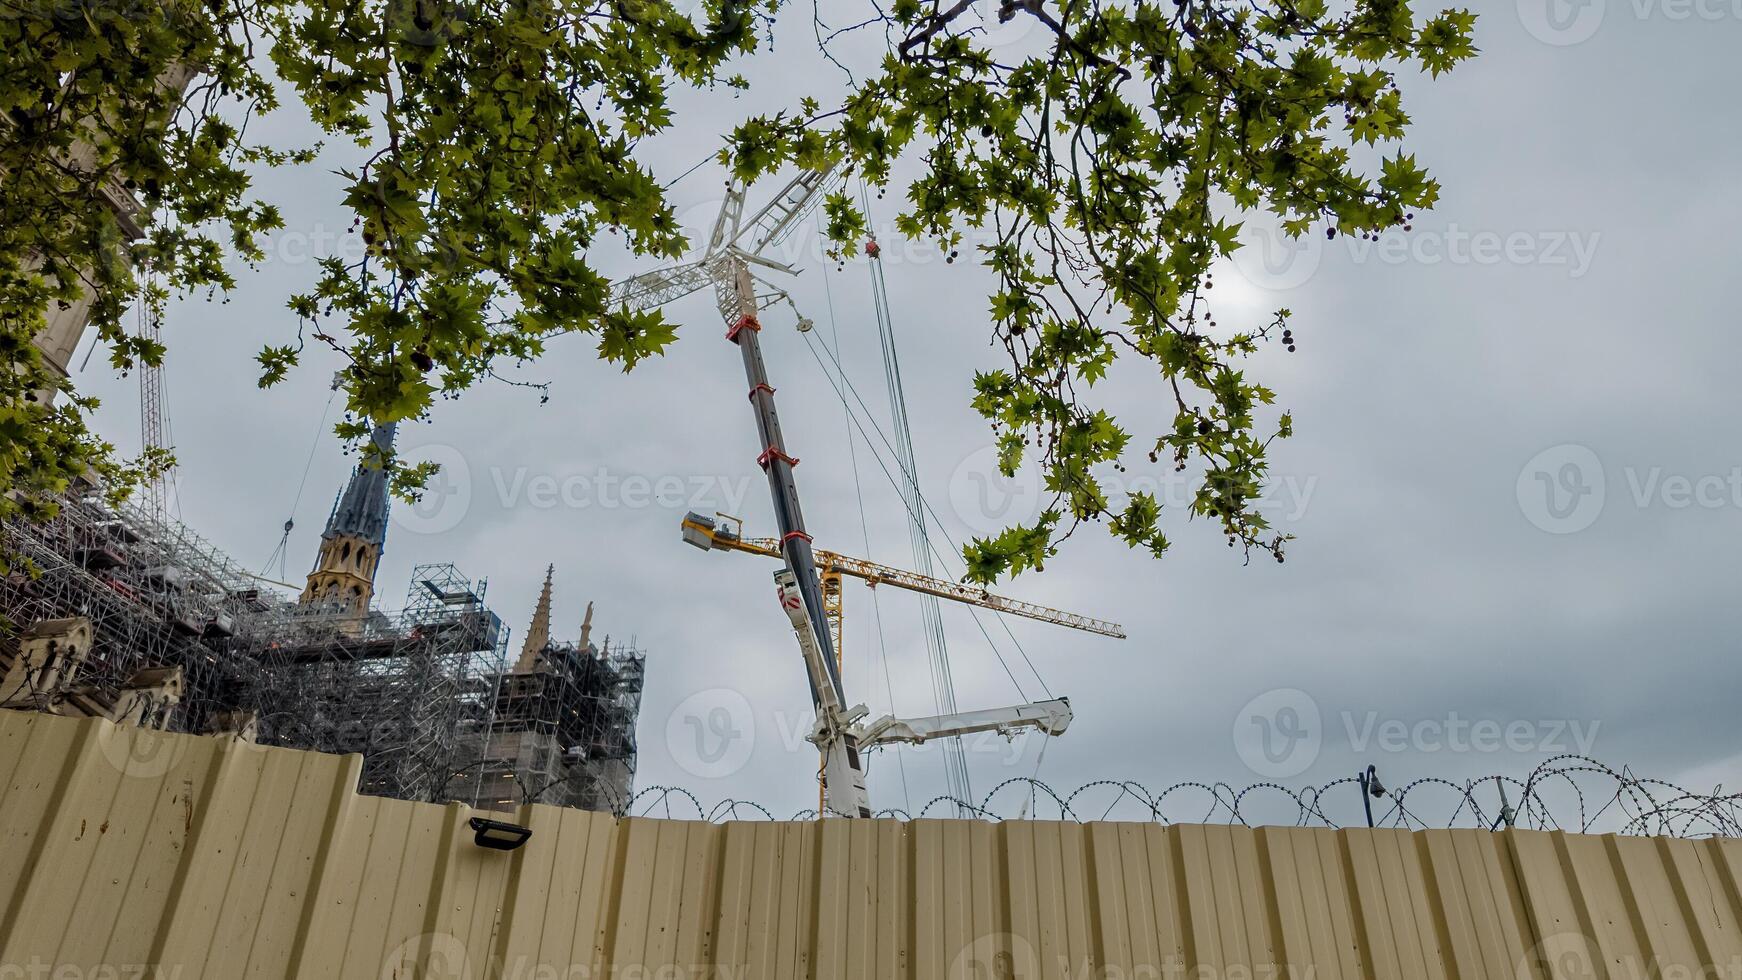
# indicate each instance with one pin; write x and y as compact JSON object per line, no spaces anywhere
{"x":125,"y":853}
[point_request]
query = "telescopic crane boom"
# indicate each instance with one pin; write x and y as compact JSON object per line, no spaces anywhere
{"x":735,"y":263}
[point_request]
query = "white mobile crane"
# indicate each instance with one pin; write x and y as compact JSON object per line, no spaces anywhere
{"x":722,"y":532}
{"x":735,"y":263}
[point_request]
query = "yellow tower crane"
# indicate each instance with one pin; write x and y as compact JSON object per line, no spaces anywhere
{"x":723,"y":532}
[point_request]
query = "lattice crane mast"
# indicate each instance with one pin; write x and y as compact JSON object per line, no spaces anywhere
{"x":735,"y":245}
{"x":734,"y":263}
{"x":151,"y":427}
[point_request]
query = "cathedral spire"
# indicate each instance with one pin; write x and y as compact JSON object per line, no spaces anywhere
{"x":343,"y":579}
{"x":361,"y":511}
{"x":538,"y":634}
{"x":587,"y":628}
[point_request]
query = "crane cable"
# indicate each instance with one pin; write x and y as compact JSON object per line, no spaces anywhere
{"x":890,"y":477}
{"x":668,"y":185}
{"x":281,"y":554}
{"x":937,"y":645}
{"x":865,"y":533}
{"x":842,"y":387}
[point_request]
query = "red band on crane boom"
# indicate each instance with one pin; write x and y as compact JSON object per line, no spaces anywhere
{"x":747,"y":320}
{"x":788,"y":536}
{"x":772,"y":453}
{"x":761,"y":386}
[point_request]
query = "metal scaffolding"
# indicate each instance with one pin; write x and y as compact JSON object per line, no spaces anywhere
{"x":183,"y":638}
{"x":396,"y":689}
{"x":562,"y":732}
{"x":156,"y":595}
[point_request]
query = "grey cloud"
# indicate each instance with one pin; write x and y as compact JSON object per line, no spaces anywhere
{"x":1417,"y":588}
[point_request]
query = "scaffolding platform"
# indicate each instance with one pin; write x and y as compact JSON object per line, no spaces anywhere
{"x":424,"y":694}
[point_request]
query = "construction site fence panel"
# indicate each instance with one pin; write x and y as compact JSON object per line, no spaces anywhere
{"x":128,"y":852}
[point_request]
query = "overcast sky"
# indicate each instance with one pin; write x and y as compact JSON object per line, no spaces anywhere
{"x":1515,"y":481}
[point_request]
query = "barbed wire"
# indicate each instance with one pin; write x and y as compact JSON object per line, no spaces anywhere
{"x":1567,"y":792}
